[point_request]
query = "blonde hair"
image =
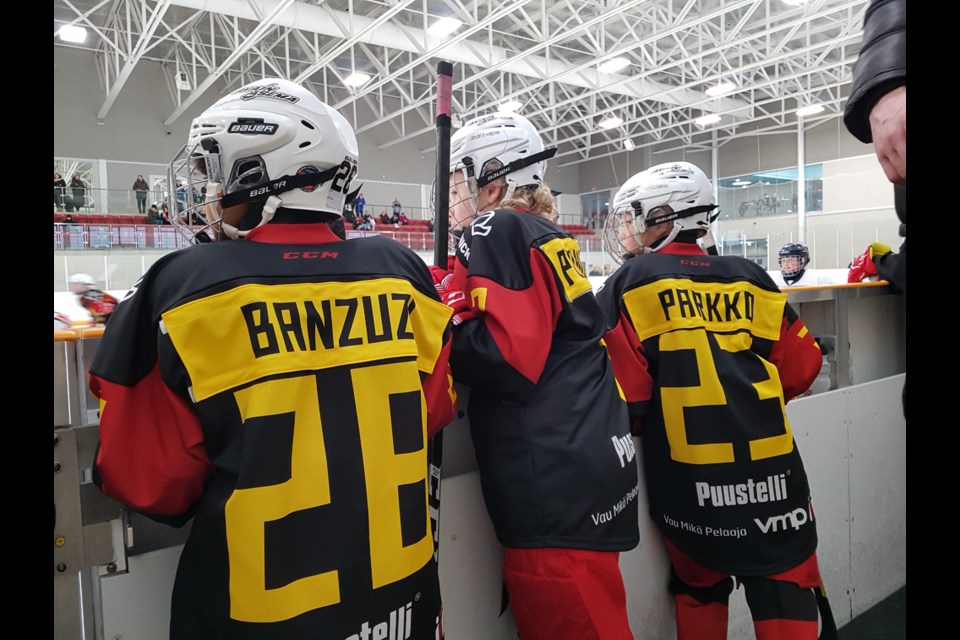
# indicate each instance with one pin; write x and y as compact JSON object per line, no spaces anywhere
{"x":537,"y":200}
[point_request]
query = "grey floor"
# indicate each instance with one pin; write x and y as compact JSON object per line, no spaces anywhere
{"x":887,"y":620}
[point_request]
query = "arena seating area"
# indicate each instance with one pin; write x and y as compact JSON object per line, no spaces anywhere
{"x":98,"y":218}
{"x":132,"y":230}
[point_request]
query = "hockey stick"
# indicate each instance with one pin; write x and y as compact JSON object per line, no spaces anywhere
{"x":440,"y":231}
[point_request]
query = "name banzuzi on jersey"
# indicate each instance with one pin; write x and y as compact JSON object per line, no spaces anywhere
{"x":306,"y":325}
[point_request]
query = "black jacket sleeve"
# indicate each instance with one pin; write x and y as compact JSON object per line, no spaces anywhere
{"x":881,"y":65}
{"x":892,"y":267}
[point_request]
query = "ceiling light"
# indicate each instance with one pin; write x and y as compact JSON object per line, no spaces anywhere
{"x":357,"y":79}
{"x":707,"y":119}
{"x":72,"y":33}
{"x":740,"y":183}
{"x":444,"y":27}
{"x":810,"y":110}
{"x":614,"y":64}
{"x":721,"y":89}
{"x":628,"y":144}
{"x":511,"y":105}
{"x":610,"y":122}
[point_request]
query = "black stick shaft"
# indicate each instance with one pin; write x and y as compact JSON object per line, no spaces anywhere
{"x":442,"y":193}
{"x":440,"y":232}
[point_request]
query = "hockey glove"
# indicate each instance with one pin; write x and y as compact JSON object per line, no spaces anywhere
{"x":438,"y":276}
{"x":862,"y":266}
{"x":454,"y":298}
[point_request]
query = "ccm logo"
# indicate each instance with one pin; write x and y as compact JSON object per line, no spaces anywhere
{"x":320,"y":255}
{"x":695,"y":263}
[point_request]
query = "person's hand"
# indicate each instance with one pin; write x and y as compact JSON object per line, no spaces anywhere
{"x":888,"y":123}
{"x":453,"y":298}
{"x":862,"y":266}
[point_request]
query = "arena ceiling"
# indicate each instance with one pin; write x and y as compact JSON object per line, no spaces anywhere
{"x":778,"y":54}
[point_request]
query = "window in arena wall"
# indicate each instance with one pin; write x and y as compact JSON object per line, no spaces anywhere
{"x":769,"y":193}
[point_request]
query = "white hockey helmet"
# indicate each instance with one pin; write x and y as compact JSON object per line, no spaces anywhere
{"x":674,"y":192}
{"x":502,"y":144}
{"x":271,"y":142}
{"x":82,"y":282}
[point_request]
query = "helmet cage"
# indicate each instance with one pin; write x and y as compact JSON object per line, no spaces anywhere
{"x":613,"y":226}
{"x":793,"y":260}
{"x":248,"y":182}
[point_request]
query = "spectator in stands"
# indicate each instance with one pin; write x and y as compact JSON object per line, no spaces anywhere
{"x":397,"y":207}
{"x":77,"y":198}
{"x":153,"y":215}
{"x":141,"y":188}
{"x":165,"y":214}
{"x":402,"y":219}
{"x":430,"y":226}
{"x":59,"y":187}
{"x":384,"y":218}
{"x":69,"y":220}
{"x":359,"y":204}
{"x":181,"y":196}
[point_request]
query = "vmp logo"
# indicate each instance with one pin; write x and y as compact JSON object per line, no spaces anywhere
{"x":253,"y":128}
{"x":794,"y":519}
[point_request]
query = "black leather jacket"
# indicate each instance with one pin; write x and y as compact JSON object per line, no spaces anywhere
{"x":881,"y":65}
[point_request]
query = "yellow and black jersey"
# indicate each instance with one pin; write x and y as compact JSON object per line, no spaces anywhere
{"x":708,"y":352}
{"x":281,"y":390}
{"x":551,"y":432}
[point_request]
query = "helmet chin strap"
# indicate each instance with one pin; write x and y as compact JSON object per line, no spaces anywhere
{"x":269,"y":210}
{"x":660,"y":243}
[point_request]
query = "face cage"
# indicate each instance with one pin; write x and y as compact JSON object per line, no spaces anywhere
{"x":454,"y":199}
{"x":194,"y":206}
{"x":800,"y":265}
{"x":615,"y":228}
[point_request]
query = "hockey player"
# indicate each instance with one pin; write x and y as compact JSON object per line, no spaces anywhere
{"x":793,"y":258}
{"x":708,"y":351}
{"x":279,"y":387}
{"x":99,"y":304}
{"x":551,"y":432}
